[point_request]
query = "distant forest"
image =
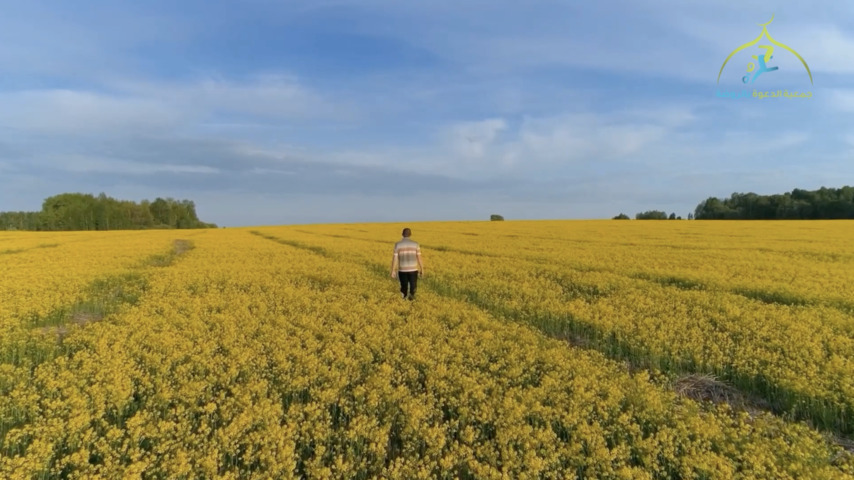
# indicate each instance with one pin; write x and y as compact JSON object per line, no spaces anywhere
{"x":824,"y":203}
{"x":79,"y":211}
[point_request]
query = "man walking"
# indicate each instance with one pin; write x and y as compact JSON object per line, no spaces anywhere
{"x":407,"y":265}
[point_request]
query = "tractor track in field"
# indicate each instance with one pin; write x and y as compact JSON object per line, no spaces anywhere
{"x":104,"y":296}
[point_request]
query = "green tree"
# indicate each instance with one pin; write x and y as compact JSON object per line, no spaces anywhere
{"x":161,"y":212}
{"x":824,"y":203}
{"x":652,"y":215}
{"x":78,"y":211}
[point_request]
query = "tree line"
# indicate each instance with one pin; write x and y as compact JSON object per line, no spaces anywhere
{"x":824,"y":203}
{"x":799,"y":204}
{"x":652,"y":215}
{"x":79,"y":211}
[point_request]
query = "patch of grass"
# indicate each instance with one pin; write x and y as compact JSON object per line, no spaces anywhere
{"x":42,"y":339}
{"x":846,"y":443}
{"x":708,"y":388}
{"x":780,"y":298}
{"x":105,"y":296}
{"x":672,"y":281}
{"x":179,"y":247}
{"x":319,"y":283}
{"x":573,"y":288}
{"x":126,"y":288}
{"x":10,"y":251}
{"x":293,"y":243}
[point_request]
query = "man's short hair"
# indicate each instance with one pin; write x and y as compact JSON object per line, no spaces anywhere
{"x":407,"y":232}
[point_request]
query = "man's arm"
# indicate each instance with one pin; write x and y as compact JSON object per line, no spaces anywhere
{"x":394,"y":265}
{"x":420,"y":261}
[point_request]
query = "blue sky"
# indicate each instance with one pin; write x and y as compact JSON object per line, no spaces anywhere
{"x":274,"y":112}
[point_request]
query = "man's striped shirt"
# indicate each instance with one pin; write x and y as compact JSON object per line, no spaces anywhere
{"x":406,"y":251}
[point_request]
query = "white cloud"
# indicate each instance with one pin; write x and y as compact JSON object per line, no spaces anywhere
{"x":140,"y":107}
{"x":829,"y":49}
{"x":472,"y":140}
{"x":579,"y":137}
{"x":90,"y":164}
{"x":750,"y":143}
{"x":499,"y":54}
{"x":274,"y":171}
{"x":78,"y":112}
{"x":840,"y":99}
{"x":272,"y":97}
{"x":494,"y":148}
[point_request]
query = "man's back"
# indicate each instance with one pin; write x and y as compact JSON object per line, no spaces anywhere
{"x":407,"y":252}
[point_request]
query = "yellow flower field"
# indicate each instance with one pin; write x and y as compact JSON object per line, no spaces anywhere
{"x":286,"y":352}
{"x":709,"y":300}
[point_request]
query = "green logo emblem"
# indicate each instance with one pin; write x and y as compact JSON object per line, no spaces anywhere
{"x":752,"y":71}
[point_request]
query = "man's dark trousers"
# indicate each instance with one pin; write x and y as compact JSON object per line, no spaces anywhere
{"x":408,"y":282}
